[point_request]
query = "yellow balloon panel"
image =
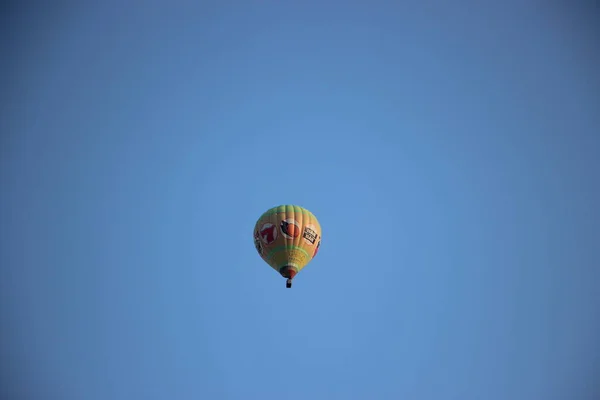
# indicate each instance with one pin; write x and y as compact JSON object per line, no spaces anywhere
{"x":287,"y":236}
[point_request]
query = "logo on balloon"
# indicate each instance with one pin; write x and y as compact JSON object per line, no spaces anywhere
{"x":290,"y":228}
{"x":310,"y":234}
{"x":268,"y":233}
{"x":317,"y":249}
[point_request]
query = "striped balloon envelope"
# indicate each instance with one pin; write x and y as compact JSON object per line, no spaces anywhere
{"x":287,"y":237}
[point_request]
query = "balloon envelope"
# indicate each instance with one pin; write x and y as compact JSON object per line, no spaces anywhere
{"x":287,"y":237}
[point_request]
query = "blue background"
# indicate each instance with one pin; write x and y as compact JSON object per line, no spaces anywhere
{"x":449,"y":150}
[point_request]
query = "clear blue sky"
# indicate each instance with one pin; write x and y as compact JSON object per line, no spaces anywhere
{"x":449,"y":150}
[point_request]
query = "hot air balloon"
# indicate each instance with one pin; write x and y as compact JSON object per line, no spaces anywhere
{"x":287,"y":237}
